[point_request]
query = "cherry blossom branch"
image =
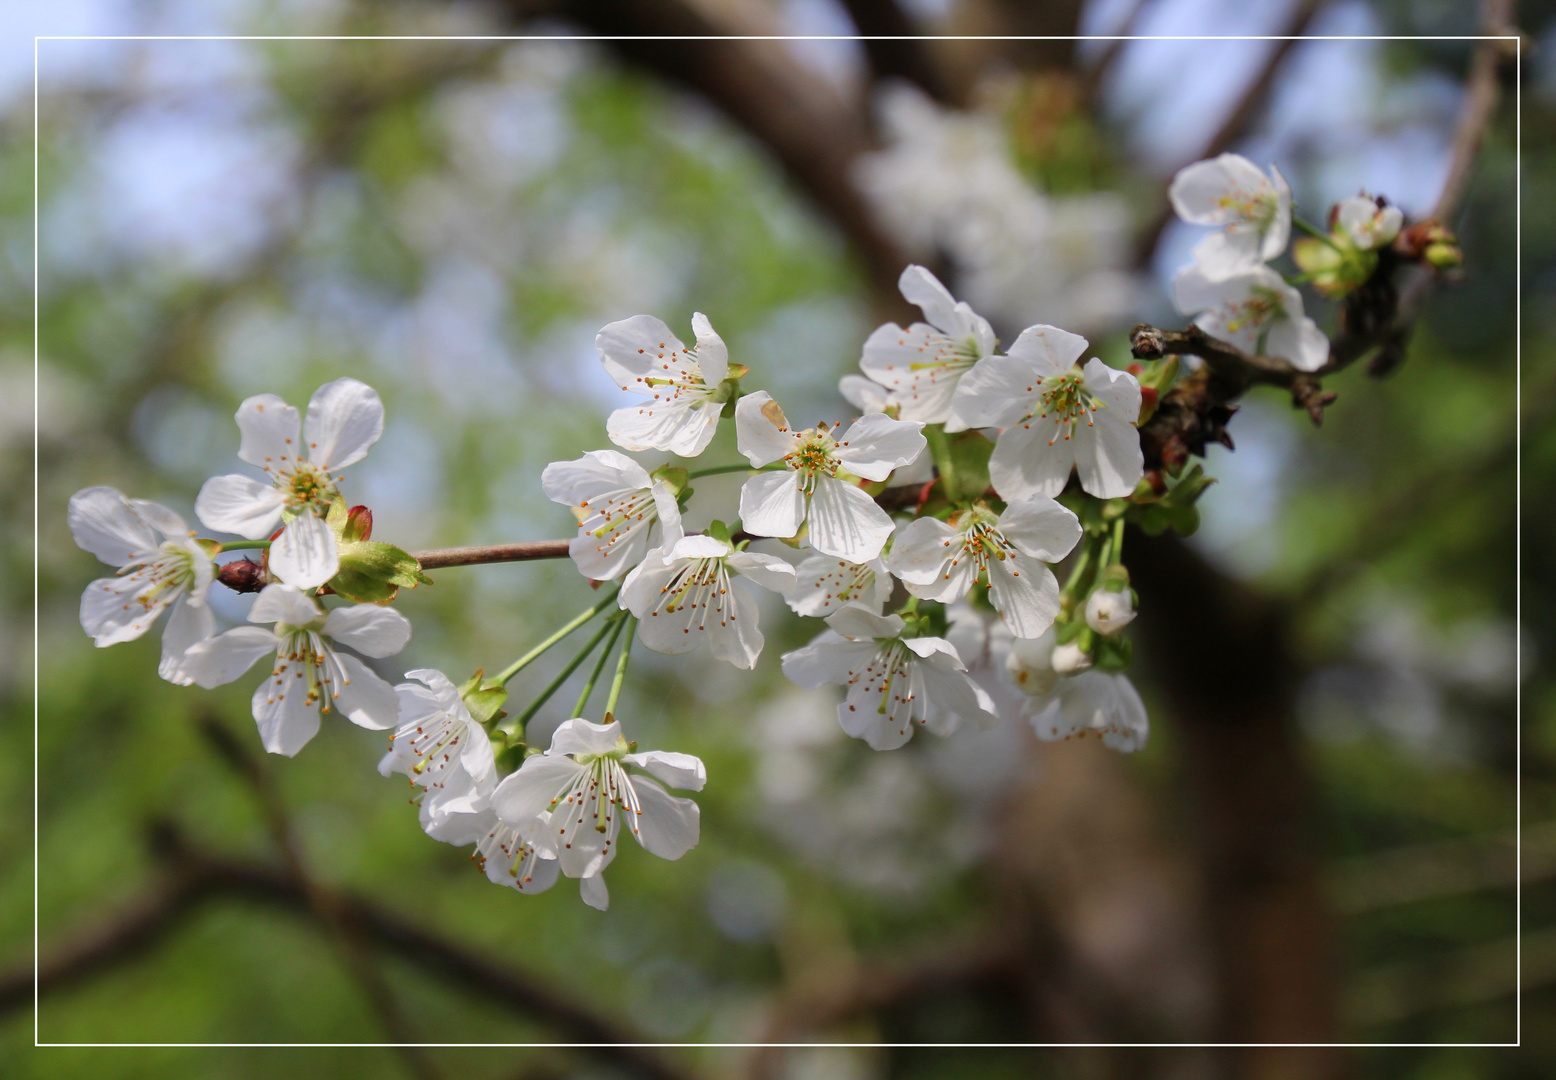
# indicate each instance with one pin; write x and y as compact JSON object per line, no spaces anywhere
{"x":521,"y":551}
{"x":191,"y":878}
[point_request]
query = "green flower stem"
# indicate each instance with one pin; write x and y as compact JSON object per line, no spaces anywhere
{"x":524,"y":661}
{"x":1313,"y":230}
{"x":621,"y":668}
{"x":1081,"y":570}
{"x":524,"y":718}
{"x":940,"y":450}
{"x":719,"y":470}
{"x":594,"y":676}
{"x":243,"y":545}
{"x":1116,"y":555}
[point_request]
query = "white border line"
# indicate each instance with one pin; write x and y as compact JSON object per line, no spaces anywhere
{"x":1517,"y":995}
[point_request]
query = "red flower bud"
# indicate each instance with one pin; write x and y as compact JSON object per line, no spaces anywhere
{"x":359,"y":523}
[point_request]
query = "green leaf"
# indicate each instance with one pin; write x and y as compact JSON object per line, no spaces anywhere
{"x":969,"y":456}
{"x":362,"y":588}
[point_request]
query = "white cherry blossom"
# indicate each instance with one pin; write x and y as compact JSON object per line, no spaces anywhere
{"x":1251,"y":307}
{"x":940,"y":560}
{"x":684,"y":596}
{"x":345,"y":418}
{"x":1030,"y":663}
{"x":844,"y":519}
{"x":1368,"y":224}
{"x":869,"y":396}
{"x":622,"y":511}
{"x":309,"y":677}
{"x":1109,"y":611}
{"x":440,"y":747}
{"x":1070,"y":659}
{"x":684,"y":387}
{"x":894,"y":683}
{"x":161,"y":568}
{"x":1253,"y":209}
{"x":1056,"y":416}
{"x":824,"y":584}
{"x":582,"y":783}
{"x":922,"y":364}
{"x":1093,"y":701}
{"x":510,"y":856}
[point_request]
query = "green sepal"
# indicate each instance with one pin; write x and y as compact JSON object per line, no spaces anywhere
{"x":1068,"y":630}
{"x":719,"y":531}
{"x":210,"y":547}
{"x":1112,"y":654}
{"x":484,"y":698}
{"x":1089,"y":510}
{"x":674,"y":477}
{"x":511,"y":756}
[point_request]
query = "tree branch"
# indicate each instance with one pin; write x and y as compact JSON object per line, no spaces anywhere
{"x":893,"y":50}
{"x":522,"y":551}
{"x":192,"y":877}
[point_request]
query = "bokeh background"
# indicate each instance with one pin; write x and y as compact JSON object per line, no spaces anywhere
{"x":1316,"y":844}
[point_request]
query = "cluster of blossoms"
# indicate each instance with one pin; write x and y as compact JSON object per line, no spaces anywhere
{"x":926,"y":534}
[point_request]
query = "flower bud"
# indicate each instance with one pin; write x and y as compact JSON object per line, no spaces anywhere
{"x":1030,"y":664}
{"x":1109,"y":612}
{"x":242,"y":575}
{"x":359,"y":523}
{"x":1443,"y":256}
{"x":1070,"y":659}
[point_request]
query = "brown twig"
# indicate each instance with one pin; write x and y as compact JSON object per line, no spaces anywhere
{"x":1238,"y":120}
{"x":522,"y":551}
{"x":893,"y":50}
{"x":193,"y":877}
{"x":343,"y":932}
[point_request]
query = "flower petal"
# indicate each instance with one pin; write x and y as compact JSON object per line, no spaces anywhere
{"x":306,"y":553}
{"x":636,"y":349}
{"x":218,"y":660}
{"x":1025,"y":594}
{"x":923,"y":290}
{"x":876,"y":444}
{"x":187,"y":625}
{"x":866,"y":395}
{"x":1199,"y":191}
{"x":829,"y":658}
{"x":1040,"y":527}
{"x":239,"y":504}
{"x":997,"y":392}
{"x":270,"y":428}
{"x":678,"y":770}
{"x":1030,"y":460}
{"x":712,"y":353}
{"x":287,"y":718}
{"x":859,"y":624}
{"x":771,"y":504}
{"x":284,"y":604}
{"x":681,"y":427}
{"x":524,"y":795}
{"x":594,"y":893}
{"x":364,"y":698}
{"x":580,"y":736}
{"x":1299,"y":341}
{"x":119,"y":609}
{"x":576,"y":483}
{"x":345,"y":418}
{"x":1227,"y":252}
{"x":665,"y":825}
{"x":762,"y":432}
{"x":1108,"y":458}
{"x":369,"y":629}
{"x":768,"y":571}
{"x":103,"y":523}
{"x":845,"y":522}
{"x":921,"y":550}
{"x":736,"y":637}
{"x":1050,"y":350}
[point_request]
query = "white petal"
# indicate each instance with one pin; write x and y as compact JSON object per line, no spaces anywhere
{"x":284,"y":604}
{"x":920,"y":552}
{"x":678,"y":770}
{"x":161,"y":518}
{"x":768,"y":571}
{"x":574,"y":483}
{"x":444,"y":692}
{"x":1029,"y":460}
{"x":103,"y":523}
{"x":952,"y":697}
{"x":369,"y":629}
{"x":866,"y":395}
{"x":762,"y":431}
{"x":876,"y":444}
{"x":771,"y":504}
{"x":1050,"y":350}
{"x":364,"y":698}
{"x":997,"y":392}
{"x":580,"y":736}
{"x":187,"y":625}
{"x":859,"y":624}
{"x":920,"y":366}
{"x":526,"y":794}
{"x":1198,"y":190}
{"x":594,"y":893}
{"x":1025,"y":594}
{"x":1118,"y":390}
{"x":1040,"y":527}
{"x":822,"y":584}
{"x":1222,"y":254}
{"x":238,"y":504}
{"x":286,"y":718}
{"x":712,"y":353}
{"x":221,"y":659}
{"x":305,"y":554}
{"x":922,"y":289}
{"x":114,"y":611}
{"x":345,"y":418}
{"x":670,"y":530}
{"x":736,"y":637}
{"x":1279,"y":232}
{"x":845,"y":522}
{"x":270,"y":431}
{"x":829,"y":658}
{"x":700,"y":546}
{"x":665,"y":825}
{"x":681,"y":427}
{"x":636,"y":349}
{"x":1299,"y":341}
{"x":1108,"y":458}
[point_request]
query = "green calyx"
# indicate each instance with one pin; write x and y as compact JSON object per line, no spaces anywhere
{"x":484,"y":698}
{"x":371,"y":572}
{"x":1334,"y":264}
